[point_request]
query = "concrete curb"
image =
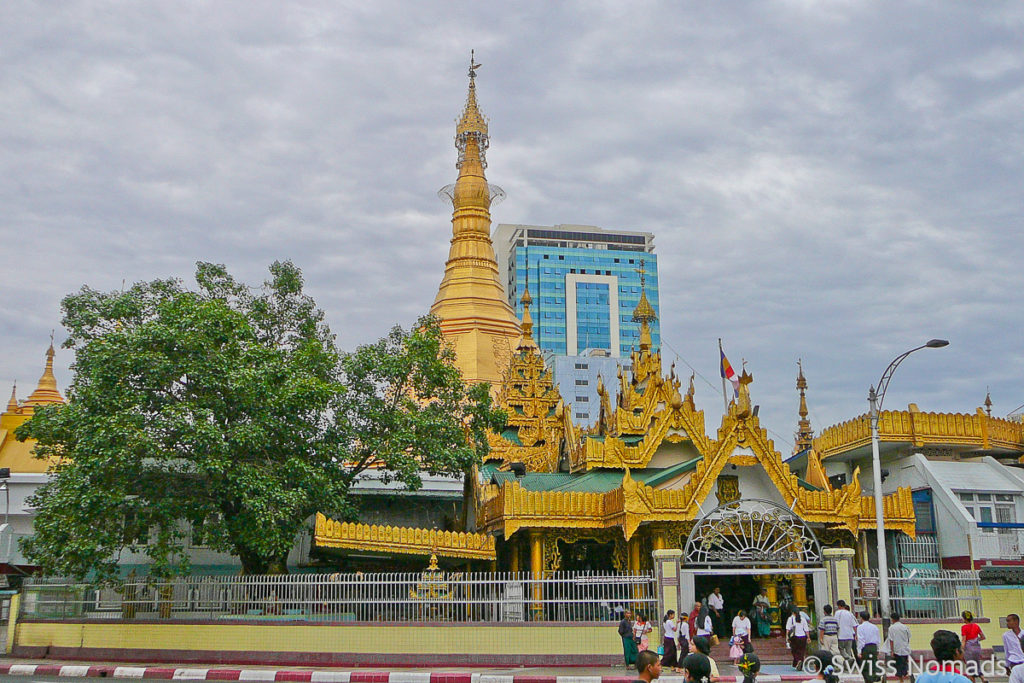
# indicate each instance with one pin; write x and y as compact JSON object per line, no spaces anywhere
{"x":308,"y":676}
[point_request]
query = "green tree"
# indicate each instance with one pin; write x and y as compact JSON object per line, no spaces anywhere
{"x":226,"y":407}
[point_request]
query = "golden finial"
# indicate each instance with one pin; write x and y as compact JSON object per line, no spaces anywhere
{"x":46,"y":392}
{"x":472,"y":126}
{"x":804,"y":434}
{"x":988,"y":402}
{"x":12,"y":405}
{"x":688,"y":401}
{"x":432,"y":567}
{"x":644,"y":312}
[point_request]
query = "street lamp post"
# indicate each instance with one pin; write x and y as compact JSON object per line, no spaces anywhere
{"x":875,"y":398}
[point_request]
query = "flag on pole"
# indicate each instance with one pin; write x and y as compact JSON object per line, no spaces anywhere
{"x":729,"y":374}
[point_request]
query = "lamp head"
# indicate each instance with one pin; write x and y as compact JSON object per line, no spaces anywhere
{"x":936,"y":343}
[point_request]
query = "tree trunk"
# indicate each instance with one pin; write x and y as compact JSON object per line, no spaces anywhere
{"x":253,"y":563}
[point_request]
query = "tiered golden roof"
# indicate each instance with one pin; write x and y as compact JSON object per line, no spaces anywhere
{"x":17,"y":455}
{"x":537,"y":421}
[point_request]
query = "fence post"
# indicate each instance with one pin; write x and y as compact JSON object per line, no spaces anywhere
{"x":839,"y":563}
{"x":667,"y":564}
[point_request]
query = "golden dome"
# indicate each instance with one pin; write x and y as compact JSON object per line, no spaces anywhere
{"x":46,"y":392}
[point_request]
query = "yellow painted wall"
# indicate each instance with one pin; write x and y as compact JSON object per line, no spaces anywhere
{"x":384,"y":639}
{"x":998,"y":602}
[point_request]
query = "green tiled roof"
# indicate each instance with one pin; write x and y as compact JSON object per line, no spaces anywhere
{"x":594,"y":481}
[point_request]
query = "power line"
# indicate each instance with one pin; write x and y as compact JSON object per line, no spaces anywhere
{"x":695,"y":371}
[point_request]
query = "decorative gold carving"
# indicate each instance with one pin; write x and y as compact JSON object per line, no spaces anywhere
{"x":728,"y":488}
{"x":410,"y":541}
{"x":535,"y":413}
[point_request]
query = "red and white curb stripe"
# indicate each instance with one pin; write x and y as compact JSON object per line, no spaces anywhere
{"x":299,"y":676}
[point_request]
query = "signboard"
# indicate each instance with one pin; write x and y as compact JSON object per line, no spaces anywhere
{"x":869,"y":588}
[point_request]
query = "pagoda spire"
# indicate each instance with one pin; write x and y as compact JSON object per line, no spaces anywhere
{"x":475,"y":315}
{"x":988,"y":402}
{"x":644,"y":312}
{"x":526,"y":341}
{"x":804,"y":433}
{"x":46,"y":392}
{"x":12,"y":405}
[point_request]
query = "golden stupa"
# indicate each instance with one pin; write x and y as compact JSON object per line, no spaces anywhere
{"x":475,"y":315}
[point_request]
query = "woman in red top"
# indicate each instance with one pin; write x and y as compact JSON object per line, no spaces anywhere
{"x":972,"y":636}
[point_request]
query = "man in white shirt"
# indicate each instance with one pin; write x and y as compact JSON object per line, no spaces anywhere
{"x":868,"y":640}
{"x":1017,"y":674}
{"x":847,"y":631}
{"x":716,"y":603}
{"x":898,"y":645}
{"x":1012,"y":650}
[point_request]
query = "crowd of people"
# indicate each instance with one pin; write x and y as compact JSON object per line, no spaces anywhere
{"x":841,"y":636}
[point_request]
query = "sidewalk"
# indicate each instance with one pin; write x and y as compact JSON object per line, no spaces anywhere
{"x":26,"y":667}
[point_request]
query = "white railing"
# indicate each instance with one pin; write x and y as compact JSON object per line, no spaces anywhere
{"x":922,"y":593}
{"x":997,"y":544}
{"x":435,"y":596}
{"x":1009,"y":544}
{"x":920,"y":550}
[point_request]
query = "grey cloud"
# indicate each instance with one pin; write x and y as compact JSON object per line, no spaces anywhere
{"x":829,"y":181}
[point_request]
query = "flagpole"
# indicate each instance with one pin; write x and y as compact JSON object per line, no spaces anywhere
{"x":721,"y":371}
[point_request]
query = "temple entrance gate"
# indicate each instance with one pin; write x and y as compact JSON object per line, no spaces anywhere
{"x":756,"y":538}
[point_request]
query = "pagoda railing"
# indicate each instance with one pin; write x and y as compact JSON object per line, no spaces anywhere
{"x":391,"y":597}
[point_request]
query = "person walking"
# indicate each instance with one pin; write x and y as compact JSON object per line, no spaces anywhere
{"x":828,"y":631}
{"x":629,"y":650}
{"x":869,"y":638}
{"x":697,"y":668}
{"x":683,"y":641}
{"x":898,"y":645}
{"x":749,"y":665}
{"x":949,"y":654}
{"x":797,"y":630}
{"x":648,"y":667}
{"x":702,"y":645}
{"x":972,"y":635}
{"x":716,"y":604}
{"x":669,"y":630}
{"x":641,"y":627}
{"x":705,"y":626}
{"x":826,"y":670}
{"x":1013,"y":653}
{"x":762,"y":622}
{"x":847,"y":631}
{"x":693,"y":619}
{"x":741,"y":627}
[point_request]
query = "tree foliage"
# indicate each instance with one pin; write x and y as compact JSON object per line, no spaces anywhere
{"x":230,"y":409}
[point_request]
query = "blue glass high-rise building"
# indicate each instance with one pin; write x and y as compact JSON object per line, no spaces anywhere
{"x":585,"y":283}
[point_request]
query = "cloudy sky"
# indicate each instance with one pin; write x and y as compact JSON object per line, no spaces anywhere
{"x":833,"y":181}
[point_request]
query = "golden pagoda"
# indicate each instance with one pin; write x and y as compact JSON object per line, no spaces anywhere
{"x":17,"y":455}
{"x":471,"y":304}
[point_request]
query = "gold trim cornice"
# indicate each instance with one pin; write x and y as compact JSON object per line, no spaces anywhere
{"x":404,"y":540}
{"x":923,"y":429}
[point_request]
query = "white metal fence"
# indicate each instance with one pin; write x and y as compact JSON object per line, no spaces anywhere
{"x":920,"y":550}
{"x":477,"y":597}
{"x":923,"y":593}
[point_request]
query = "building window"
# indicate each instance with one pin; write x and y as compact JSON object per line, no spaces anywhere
{"x":583,"y":399}
{"x":982,"y":509}
{"x":582,"y":383}
{"x":582,"y":366}
{"x":582,"y":416}
{"x":561,"y":257}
